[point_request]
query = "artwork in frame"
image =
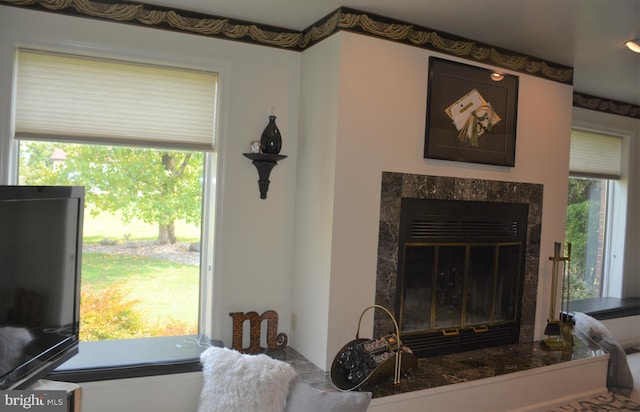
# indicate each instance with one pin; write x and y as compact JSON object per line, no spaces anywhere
{"x":471,"y":114}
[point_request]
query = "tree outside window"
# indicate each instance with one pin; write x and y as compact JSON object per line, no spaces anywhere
{"x":586,"y":228}
{"x":140,"y":272}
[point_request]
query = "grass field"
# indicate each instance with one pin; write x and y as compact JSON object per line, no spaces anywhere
{"x":111,"y":226}
{"x":166,"y":290}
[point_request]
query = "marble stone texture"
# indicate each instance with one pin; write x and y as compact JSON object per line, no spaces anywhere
{"x":454,"y":368}
{"x":395,"y":186}
{"x":469,"y":366}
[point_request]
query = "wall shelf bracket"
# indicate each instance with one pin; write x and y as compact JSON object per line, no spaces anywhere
{"x":264,"y":162}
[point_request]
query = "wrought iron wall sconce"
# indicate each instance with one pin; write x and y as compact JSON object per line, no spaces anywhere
{"x":265,"y":154}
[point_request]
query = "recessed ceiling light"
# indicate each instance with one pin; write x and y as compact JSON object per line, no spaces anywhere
{"x":633,"y":45}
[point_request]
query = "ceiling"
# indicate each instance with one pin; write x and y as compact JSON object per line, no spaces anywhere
{"x":585,"y":34}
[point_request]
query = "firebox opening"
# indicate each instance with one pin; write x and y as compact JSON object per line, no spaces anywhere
{"x":460,"y":274}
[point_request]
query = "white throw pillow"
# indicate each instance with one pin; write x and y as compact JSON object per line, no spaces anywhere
{"x":244,"y":383}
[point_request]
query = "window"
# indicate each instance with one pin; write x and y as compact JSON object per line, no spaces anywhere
{"x":141,"y":139}
{"x":595,"y":172}
{"x":586,"y":226}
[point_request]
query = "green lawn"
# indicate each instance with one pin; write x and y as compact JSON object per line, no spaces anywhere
{"x":166,"y":290}
{"x":111,"y":226}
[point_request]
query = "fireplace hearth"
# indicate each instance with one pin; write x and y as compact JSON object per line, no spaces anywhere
{"x":458,"y":261}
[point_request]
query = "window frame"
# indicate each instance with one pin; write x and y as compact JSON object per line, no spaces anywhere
{"x":616,"y":210}
{"x":173,"y":354}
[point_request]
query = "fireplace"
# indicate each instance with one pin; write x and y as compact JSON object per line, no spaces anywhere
{"x":458,"y":261}
{"x":460,"y":267}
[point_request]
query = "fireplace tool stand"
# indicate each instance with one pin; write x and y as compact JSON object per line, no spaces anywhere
{"x":560,"y":329}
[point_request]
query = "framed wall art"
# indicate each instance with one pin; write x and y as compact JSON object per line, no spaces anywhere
{"x":471,"y":114}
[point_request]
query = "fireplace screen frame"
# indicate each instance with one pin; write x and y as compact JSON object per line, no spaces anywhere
{"x":460,"y":227}
{"x":448,"y":290}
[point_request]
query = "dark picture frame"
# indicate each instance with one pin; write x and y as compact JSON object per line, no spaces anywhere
{"x":471,"y":114}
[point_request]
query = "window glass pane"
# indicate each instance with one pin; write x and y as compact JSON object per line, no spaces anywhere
{"x":586,"y":229}
{"x":141,"y":260}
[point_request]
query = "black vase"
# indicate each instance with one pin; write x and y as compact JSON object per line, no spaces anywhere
{"x":271,"y":140}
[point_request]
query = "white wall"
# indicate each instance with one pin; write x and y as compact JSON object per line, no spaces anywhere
{"x":625,"y":330}
{"x":170,"y":393}
{"x":315,"y":196}
{"x":381,"y":108}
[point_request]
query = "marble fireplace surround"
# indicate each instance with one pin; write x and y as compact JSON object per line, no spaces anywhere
{"x":395,"y":186}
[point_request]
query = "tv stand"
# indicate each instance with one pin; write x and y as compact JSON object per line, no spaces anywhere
{"x":74,"y":392}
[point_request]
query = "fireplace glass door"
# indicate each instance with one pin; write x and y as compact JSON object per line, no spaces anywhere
{"x":461,"y":267}
{"x":454,"y":286}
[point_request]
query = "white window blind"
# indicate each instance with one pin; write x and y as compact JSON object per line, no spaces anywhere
{"x":81,"y":99}
{"x":595,"y":155}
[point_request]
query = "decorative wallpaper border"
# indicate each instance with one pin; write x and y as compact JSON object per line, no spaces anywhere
{"x":160,"y":17}
{"x":343,"y":18}
{"x":347,"y":19}
{"x":382,"y":27}
{"x":601,"y":104}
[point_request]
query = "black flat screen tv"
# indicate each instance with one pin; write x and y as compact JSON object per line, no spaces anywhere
{"x":40,"y":267}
